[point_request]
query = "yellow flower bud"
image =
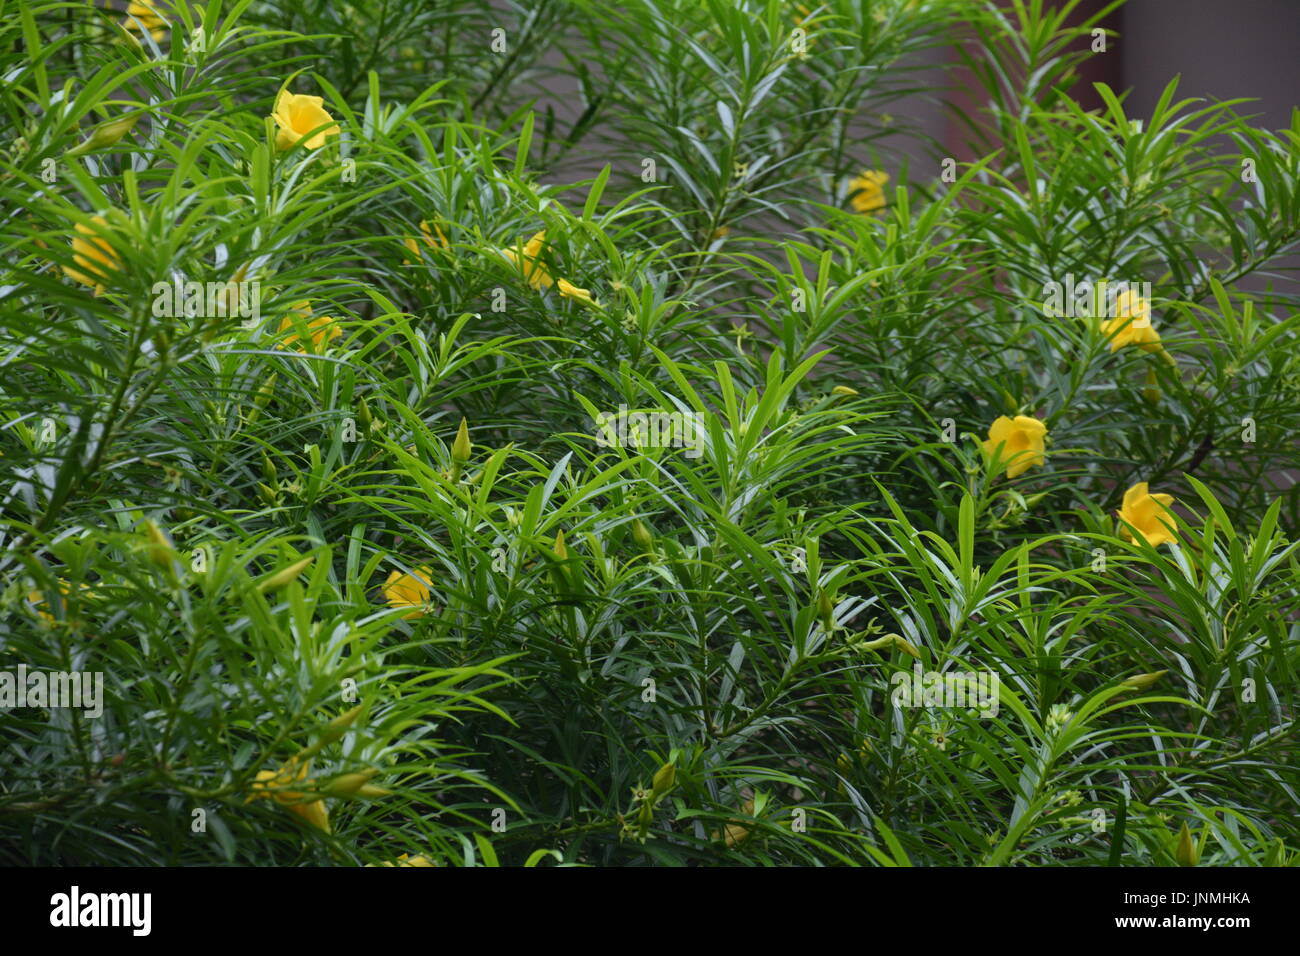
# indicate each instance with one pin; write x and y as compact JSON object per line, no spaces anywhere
{"x":825,"y":609}
{"x":335,"y":728}
{"x":1142,"y":681}
{"x":737,"y":831}
{"x":314,"y":812}
{"x":1186,"y":852}
{"x":889,"y":640}
{"x":460,"y":448}
{"x":907,"y":647}
{"x":641,"y":535}
{"x":407,"y":860}
{"x":161,"y":551}
{"x":571,"y":291}
{"x":1152,"y":391}
{"x":664,"y":779}
{"x":561,"y":551}
{"x":105,"y":134}
{"x":280,"y":578}
{"x":354,"y":785}
{"x":844,"y":390}
{"x":332,"y":732}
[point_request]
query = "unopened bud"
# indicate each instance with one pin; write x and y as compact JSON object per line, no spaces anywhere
{"x":890,"y":640}
{"x":348,"y":784}
{"x":280,"y":578}
{"x":1033,"y":500}
{"x":1186,"y":852}
{"x":335,"y":728}
{"x":460,"y":448}
{"x":664,"y":779}
{"x":105,"y":134}
{"x":1142,"y":681}
{"x":161,"y":551}
{"x":1152,"y":391}
{"x":825,"y":609}
{"x":332,"y":732}
{"x":641,"y":535}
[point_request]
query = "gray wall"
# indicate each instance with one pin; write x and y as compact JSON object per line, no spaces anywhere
{"x":1222,"y":48}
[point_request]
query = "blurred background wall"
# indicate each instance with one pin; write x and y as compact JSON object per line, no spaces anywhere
{"x":1222,"y":49}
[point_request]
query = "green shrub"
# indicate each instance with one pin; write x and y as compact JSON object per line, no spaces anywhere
{"x":332,"y":632}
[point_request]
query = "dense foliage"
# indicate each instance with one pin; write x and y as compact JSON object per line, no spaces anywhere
{"x":240,"y":329}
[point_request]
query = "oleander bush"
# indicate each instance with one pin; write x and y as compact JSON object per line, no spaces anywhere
{"x":560,"y":432}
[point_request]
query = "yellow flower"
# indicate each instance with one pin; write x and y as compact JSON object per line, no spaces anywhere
{"x":1020,"y":440}
{"x":275,"y":783}
{"x":1131,"y":324}
{"x":144,"y":12}
{"x":868,"y":190}
{"x":1147,"y":514}
{"x":161,"y":551}
{"x":538,"y":276}
{"x":407,"y":860}
{"x":571,"y":291}
{"x":429,"y":240}
{"x":37,"y":599}
{"x":409,"y":590}
{"x":737,"y":831}
{"x":299,"y":115}
{"x":93,"y":258}
{"x":526,"y":260}
{"x":320,"y":329}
